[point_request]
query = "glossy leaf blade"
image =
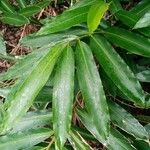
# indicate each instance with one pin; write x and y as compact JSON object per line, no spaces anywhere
{"x":43,"y":4}
{"x":130,"y":19}
{"x":33,"y":120}
{"x":30,"y":11}
{"x":2,"y":46}
{"x":117,"y":70}
{"x":21,"y":97}
{"x":65,"y":20}
{"x":14,"y":19}
{"x":78,"y":142}
{"x":42,"y":40}
{"x":141,"y":8}
{"x":147,"y":127}
{"x":83,"y":3}
{"x":63,"y":96}
{"x":7,"y":6}
{"x":25,"y":139}
{"x":132,"y":42}
{"x":115,"y":141}
{"x":126,"y":121}
{"x":143,"y":21}
{"x":22,"y":3}
{"x":95,"y":14}
{"x":45,"y":95}
{"x":143,"y":76}
{"x":92,"y":89}
{"x":115,"y":6}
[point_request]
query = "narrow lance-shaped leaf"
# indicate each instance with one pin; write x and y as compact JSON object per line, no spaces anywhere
{"x":63,"y":96}
{"x":22,"y":3}
{"x":24,"y":64}
{"x":127,"y":18}
{"x":4,"y":92}
{"x":126,"y":121}
{"x":2,"y":46}
{"x":83,"y":3}
{"x":39,"y":41}
{"x":45,"y":95}
{"x":25,"y":139}
{"x":43,"y":4}
{"x":144,"y":76}
{"x":14,"y":19}
{"x":115,"y":5}
{"x":78,"y":142}
{"x":95,"y":14}
{"x":92,"y":89}
{"x":65,"y":20}
{"x":36,"y":148}
{"x":143,"y":21}
{"x":141,"y":8}
{"x":7,"y":6}
{"x":141,"y":145}
{"x":130,"y":19}
{"x":132,"y":42}
{"x":21,"y":96}
{"x":147,"y":127}
{"x":115,"y":141}
{"x":33,"y":120}
{"x":30,"y":11}
{"x":117,"y":70}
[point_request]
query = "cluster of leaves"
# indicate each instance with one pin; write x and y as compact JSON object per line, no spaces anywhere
{"x":78,"y":70}
{"x":22,"y":12}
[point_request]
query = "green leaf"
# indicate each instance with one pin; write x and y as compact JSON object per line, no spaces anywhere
{"x":115,"y":141}
{"x":130,"y":19}
{"x":84,"y":133}
{"x":124,"y":120}
{"x":14,"y":19}
{"x":42,"y":40}
{"x":144,"y":21}
{"x":115,"y":6}
{"x":45,"y":95}
{"x":43,"y":4}
{"x":78,"y":142}
{"x":65,"y":20}
{"x":117,"y":70}
{"x":23,"y":93}
{"x":29,"y":11}
{"x":22,"y":3}
{"x":2,"y":46}
{"x":132,"y":42}
{"x":83,"y":3}
{"x":33,"y":120}
{"x":36,"y":148}
{"x":141,"y":145}
{"x":10,"y":58}
{"x":95,"y":15}
{"x":147,"y":127}
{"x":63,"y":96}
{"x":7,"y":6}
{"x":4,"y":92}
{"x":92,"y":89}
{"x":143,"y":118}
{"x":144,"y":76}
{"x":24,"y":139}
{"x":20,"y":68}
{"x":141,"y":8}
